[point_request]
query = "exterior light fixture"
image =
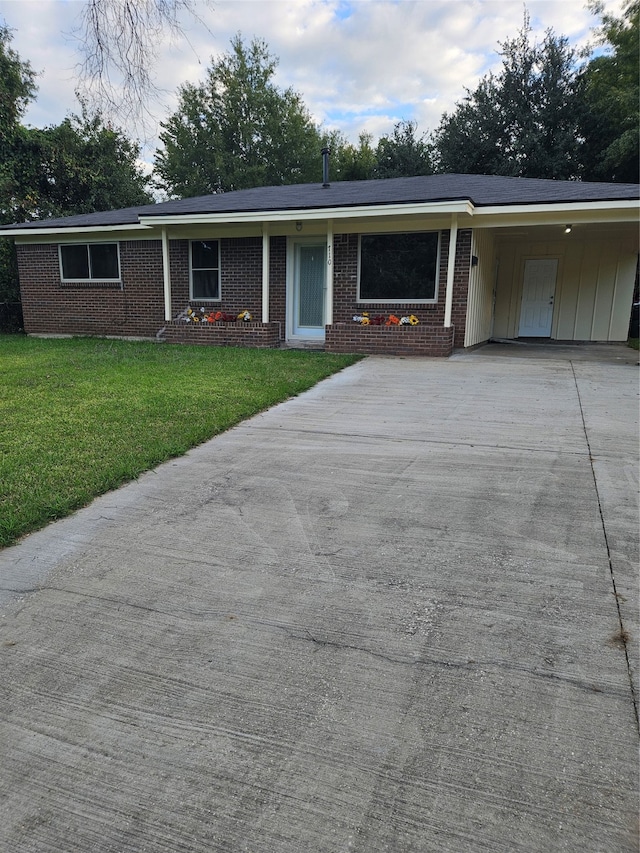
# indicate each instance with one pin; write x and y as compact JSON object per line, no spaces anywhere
{"x":298,"y":226}
{"x":567,"y":229}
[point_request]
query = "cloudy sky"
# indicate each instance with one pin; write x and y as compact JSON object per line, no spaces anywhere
{"x":360,"y":65}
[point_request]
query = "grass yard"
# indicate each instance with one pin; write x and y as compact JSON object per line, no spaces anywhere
{"x":81,"y":416}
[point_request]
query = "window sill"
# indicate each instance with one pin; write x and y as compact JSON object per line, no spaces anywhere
{"x":102,"y":285}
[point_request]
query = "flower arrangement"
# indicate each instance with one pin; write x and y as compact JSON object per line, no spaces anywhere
{"x":380,"y":320}
{"x":191,"y":315}
{"x":366,"y":320}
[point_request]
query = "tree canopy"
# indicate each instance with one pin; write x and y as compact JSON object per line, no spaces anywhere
{"x":17,"y":89}
{"x":237,"y":129}
{"x":402,"y":153}
{"x":79,"y":166}
{"x":611,"y":94}
{"x":523,"y":121}
{"x":88,"y":165}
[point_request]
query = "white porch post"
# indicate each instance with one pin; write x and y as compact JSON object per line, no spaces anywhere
{"x":265,"y":272}
{"x":453,"y":239}
{"x":166,"y":275}
{"x":329,"y":303}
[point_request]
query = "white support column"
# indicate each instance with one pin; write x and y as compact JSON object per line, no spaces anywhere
{"x":265,"y":272}
{"x":166,"y":275}
{"x":329,"y":302}
{"x":451,"y":265}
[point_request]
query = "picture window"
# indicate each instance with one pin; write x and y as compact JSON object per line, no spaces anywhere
{"x":399,"y":267}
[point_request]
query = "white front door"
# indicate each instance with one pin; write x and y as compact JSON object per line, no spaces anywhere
{"x":538,"y":291}
{"x":308,"y":295}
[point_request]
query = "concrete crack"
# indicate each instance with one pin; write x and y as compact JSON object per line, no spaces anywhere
{"x":468,"y":666}
{"x":624,"y":635}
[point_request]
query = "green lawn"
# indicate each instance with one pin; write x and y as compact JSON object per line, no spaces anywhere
{"x":81,"y":416}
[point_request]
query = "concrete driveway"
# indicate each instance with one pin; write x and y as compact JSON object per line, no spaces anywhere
{"x":398,"y":613}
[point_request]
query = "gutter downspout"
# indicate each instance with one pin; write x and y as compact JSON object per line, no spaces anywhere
{"x":328,"y":320}
{"x":265,"y":272}
{"x":166,"y":275}
{"x":451,"y":264}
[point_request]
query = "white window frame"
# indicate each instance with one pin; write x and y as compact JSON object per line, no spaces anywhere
{"x":87,"y":245}
{"x":369,"y":301}
{"x":193,"y":298}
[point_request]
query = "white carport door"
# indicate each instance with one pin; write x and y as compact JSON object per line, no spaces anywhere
{"x":538,"y":291}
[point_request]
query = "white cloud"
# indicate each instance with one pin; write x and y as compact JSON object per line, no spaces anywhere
{"x":360,"y":65}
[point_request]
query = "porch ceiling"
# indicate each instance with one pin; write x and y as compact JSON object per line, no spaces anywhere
{"x":525,"y":232}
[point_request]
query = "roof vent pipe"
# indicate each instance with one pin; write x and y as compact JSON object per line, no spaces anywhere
{"x":325,"y":167}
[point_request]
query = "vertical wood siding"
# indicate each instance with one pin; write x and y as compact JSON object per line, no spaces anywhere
{"x":594,"y":289}
{"x":481,"y":283}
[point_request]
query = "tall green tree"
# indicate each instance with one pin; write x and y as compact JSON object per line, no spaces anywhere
{"x":86,"y":165}
{"x":611,"y":92}
{"x":17,"y":89}
{"x":522,"y":121}
{"x":351,"y":162}
{"x":79,"y":166}
{"x":403,"y":154}
{"x":237,"y":130}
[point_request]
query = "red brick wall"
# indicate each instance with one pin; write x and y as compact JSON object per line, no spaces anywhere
{"x":132,"y":307}
{"x":259,"y":335}
{"x":278,"y":283}
{"x":241,"y":278}
{"x":460,"y":286}
{"x":179,"y":274}
{"x":389,"y":340}
{"x":346,"y":305}
{"x":135,"y":306}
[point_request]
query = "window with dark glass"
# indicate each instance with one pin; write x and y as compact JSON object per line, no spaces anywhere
{"x":399,"y":267}
{"x":90,"y":262}
{"x":205,"y":269}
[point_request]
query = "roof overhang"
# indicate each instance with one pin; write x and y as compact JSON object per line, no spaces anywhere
{"x":496,"y":216}
{"x":311,"y":214}
{"x":499,"y":216}
{"x":69,"y":230}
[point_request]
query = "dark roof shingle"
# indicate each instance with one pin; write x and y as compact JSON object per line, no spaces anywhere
{"x":480,"y":190}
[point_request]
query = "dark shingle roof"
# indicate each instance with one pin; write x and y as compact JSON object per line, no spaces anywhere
{"x":481,"y":190}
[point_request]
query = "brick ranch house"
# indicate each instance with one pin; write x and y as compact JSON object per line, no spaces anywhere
{"x":471,"y":257}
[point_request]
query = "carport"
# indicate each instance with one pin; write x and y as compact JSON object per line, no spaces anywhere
{"x":569,"y":281}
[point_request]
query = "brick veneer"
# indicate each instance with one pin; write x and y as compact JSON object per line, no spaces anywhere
{"x":389,"y":340}
{"x":134,"y":307}
{"x":430,"y":337}
{"x":258,"y":335}
{"x":241,"y":279}
{"x":460,"y":286}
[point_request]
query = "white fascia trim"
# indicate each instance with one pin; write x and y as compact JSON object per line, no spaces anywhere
{"x":304,"y":214}
{"x":565,"y":208}
{"x":31,"y":235}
